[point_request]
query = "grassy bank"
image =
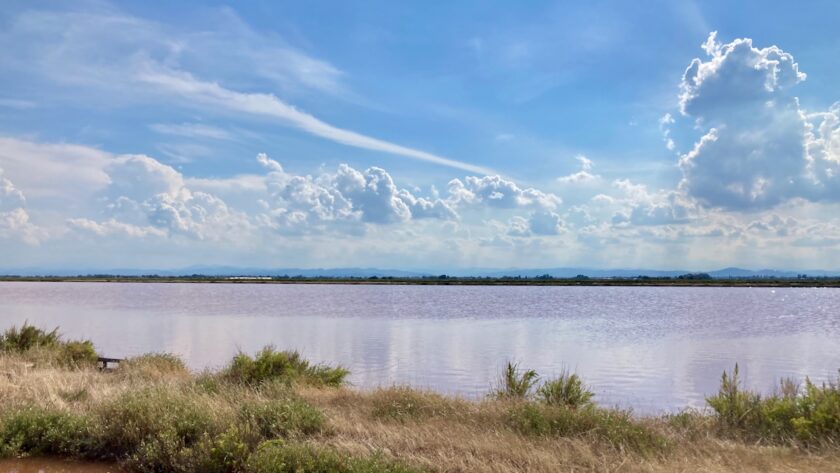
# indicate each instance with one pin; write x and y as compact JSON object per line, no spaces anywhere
{"x":275,"y":412}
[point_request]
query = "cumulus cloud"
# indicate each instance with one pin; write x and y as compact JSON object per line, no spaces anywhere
{"x":495,"y":191}
{"x":113,"y":227}
{"x":584,"y":175}
{"x":61,"y":176}
{"x":10,"y":196}
{"x":147,"y":198}
{"x":344,"y":199}
{"x":14,"y":219}
{"x":759,"y":147}
{"x":665,"y":127}
{"x":639,"y":206}
{"x":538,"y":223}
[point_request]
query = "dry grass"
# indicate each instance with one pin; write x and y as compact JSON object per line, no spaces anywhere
{"x":420,"y":429}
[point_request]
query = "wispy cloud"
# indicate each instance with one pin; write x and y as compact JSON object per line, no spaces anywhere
{"x":191,"y":130}
{"x":210,"y":93}
{"x":18,"y":104}
{"x":151,"y":57}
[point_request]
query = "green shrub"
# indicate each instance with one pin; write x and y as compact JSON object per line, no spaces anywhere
{"x":227,"y":452}
{"x":734,"y":407}
{"x":286,"y":366}
{"x":78,"y":354}
{"x":282,"y":418}
{"x":42,"y":345}
{"x":515,"y":383}
{"x":282,"y":457}
{"x":809,"y":416}
{"x":615,"y":428}
{"x":27,"y":337}
{"x":567,"y":390}
{"x":40,"y":431}
{"x":156,"y":423}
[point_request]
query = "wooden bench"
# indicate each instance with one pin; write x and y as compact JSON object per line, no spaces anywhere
{"x":104,"y":363}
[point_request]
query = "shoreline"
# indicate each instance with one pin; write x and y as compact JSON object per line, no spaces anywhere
{"x":452,"y":281}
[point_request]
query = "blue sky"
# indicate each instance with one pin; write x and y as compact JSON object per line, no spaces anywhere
{"x":427,"y":135}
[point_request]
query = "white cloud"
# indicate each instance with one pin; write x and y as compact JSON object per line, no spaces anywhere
{"x":343,"y":200}
{"x":538,"y":223}
{"x":135,"y":58}
{"x":77,"y":45}
{"x":10,"y":196}
{"x":184,"y":85}
{"x":146,"y":193}
{"x":545,"y":223}
{"x":14,"y":219}
{"x":55,"y":175}
{"x":113,"y":227}
{"x":495,"y":191}
{"x":636,"y":205}
{"x":759,"y":148}
{"x":665,"y":127}
{"x":191,"y":130}
{"x":584,"y":175}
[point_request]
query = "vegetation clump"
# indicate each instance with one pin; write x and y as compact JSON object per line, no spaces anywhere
{"x":286,"y":366}
{"x":38,"y":344}
{"x":33,"y":430}
{"x":27,"y":337}
{"x":282,"y":418}
{"x":567,"y":390}
{"x":612,"y":427}
{"x":808,"y":415}
{"x":516,"y":384}
{"x":282,"y":457}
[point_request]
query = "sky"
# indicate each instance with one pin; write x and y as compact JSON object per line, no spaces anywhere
{"x":420,"y":135}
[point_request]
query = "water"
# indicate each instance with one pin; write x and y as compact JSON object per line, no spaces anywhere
{"x":650,"y":348}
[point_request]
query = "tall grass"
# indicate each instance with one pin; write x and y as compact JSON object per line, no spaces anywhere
{"x":516,"y":383}
{"x":808,"y":415}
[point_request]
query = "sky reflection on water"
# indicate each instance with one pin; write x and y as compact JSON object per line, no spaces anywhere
{"x":650,"y":348}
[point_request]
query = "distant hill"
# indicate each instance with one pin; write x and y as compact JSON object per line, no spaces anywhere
{"x":563,"y":272}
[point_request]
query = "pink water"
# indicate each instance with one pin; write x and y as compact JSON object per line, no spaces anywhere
{"x":650,"y":348}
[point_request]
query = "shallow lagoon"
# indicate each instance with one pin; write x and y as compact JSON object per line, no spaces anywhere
{"x":649,"y":348}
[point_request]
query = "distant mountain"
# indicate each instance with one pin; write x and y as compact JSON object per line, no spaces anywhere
{"x":768,"y":273}
{"x":563,"y":272}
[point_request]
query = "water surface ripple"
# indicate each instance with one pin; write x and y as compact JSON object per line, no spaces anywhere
{"x":650,"y":348}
